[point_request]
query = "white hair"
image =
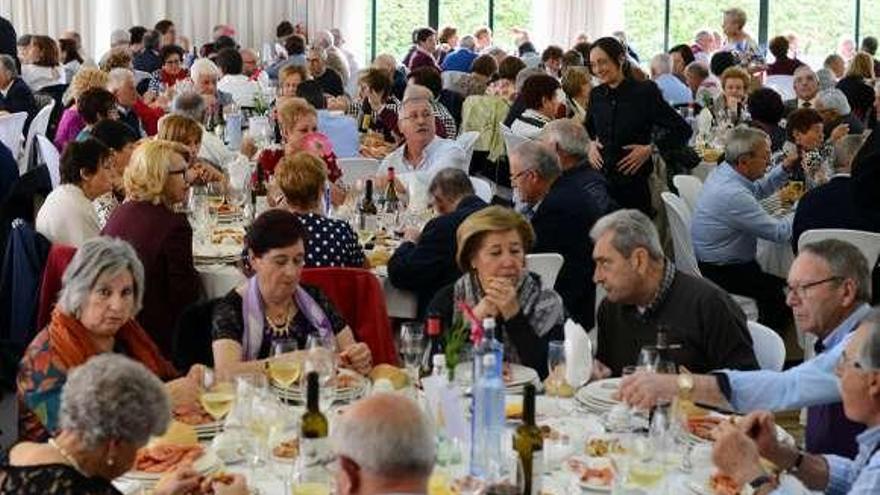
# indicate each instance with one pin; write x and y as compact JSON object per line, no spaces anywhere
{"x":119,"y":37}
{"x":661,"y":63}
{"x":569,"y":135}
{"x":324,"y":39}
{"x":203,"y":66}
{"x":96,"y":257}
{"x":536,"y":157}
{"x":415,"y":93}
{"x":833,"y":99}
{"x":632,"y":229}
{"x":467,"y":41}
{"x":117,"y":77}
{"x":742,"y":142}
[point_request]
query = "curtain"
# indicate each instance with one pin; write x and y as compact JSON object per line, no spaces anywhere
{"x":53,"y":18}
{"x":347,"y":16}
{"x":559,"y":22}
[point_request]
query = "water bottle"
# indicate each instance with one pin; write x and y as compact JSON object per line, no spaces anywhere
{"x":233,"y":131}
{"x":487,"y":420}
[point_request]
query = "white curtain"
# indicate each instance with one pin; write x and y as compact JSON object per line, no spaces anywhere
{"x":347,"y":15}
{"x":559,"y":22}
{"x":53,"y":17}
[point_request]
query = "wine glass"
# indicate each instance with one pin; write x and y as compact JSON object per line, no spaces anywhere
{"x":648,"y":359}
{"x":556,"y":371}
{"x":412,"y":347}
{"x":284,"y":368}
{"x":217,"y":396}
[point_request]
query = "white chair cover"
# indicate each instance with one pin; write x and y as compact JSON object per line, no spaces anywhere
{"x":784,"y":85}
{"x":689,"y":189}
{"x":511,"y":140}
{"x":482,"y":188}
{"x":11,"y":129}
{"x":39,"y":125}
{"x":355,"y":169}
{"x":867,"y":242}
{"x":450,"y":77}
{"x":546,"y":265}
{"x":50,"y":155}
{"x":467,"y":140}
{"x":768,"y":345}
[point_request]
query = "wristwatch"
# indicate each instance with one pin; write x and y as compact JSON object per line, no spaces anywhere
{"x":760,"y":481}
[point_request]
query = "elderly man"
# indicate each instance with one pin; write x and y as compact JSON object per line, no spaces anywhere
{"x":462,"y":57}
{"x":382,"y":453}
{"x":15,"y":95}
{"x":828,"y":290}
{"x":234,"y":82}
{"x":121,"y":83}
{"x":330,"y":81}
{"x":813,"y":210}
{"x":204,"y":74}
{"x":738,"y":449}
{"x":728,"y":220}
{"x":646,"y":293}
{"x":425,"y":262}
{"x":699,"y":81}
{"x":561,"y":215}
{"x":834,"y":108}
{"x":250,"y":65}
{"x":674,"y":91}
{"x":806,"y":87}
{"x":213,"y":149}
{"x":703,"y":47}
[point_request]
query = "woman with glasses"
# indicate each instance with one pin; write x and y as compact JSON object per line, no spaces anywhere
{"x":172,"y":70}
{"x":155,"y":182}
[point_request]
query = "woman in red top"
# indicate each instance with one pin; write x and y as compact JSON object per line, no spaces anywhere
{"x":172,"y":70}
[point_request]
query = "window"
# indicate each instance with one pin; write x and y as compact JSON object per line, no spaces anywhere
{"x":511,"y":14}
{"x":818,"y":25}
{"x":395,"y":22}
{"x":464,"y":16}
{"x":644,"y":27}
{"x":687,"y":17}
{"x":869,"y":24}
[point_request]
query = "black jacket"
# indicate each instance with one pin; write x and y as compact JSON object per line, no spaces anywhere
{"x":832,"y":206}
{"x":147,"y":61}
{"x":19,"y":98}
{"x":428,"y":265}
{"x":859,"y":94}
{"x":331,"y":82}
{"x":562,"y":224}
{"x":8,"y":40}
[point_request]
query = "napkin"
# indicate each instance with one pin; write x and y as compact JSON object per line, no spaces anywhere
{"x":578,"y":354}
{"x":239,"y":172}
{"x":704,"y":121}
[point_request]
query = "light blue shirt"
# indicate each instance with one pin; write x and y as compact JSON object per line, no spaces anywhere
{"x":342,"y":131}
{"x":728,"y":220}
{"x":674,"y":91}
{"x":811,"y":383}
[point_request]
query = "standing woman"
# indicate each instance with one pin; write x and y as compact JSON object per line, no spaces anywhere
{"x":623,"y":117}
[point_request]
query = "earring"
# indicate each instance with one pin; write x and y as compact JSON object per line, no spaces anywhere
{"x":110,"y":461}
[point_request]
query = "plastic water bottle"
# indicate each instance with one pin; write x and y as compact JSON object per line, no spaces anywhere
{"x":233,"y":131}
{"x":487,"y":420}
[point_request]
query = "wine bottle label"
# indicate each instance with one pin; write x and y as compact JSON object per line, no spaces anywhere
{"x":537,"y":473}
{"x":315,"y":452}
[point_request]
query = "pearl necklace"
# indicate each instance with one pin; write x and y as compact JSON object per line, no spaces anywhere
{"x":67,"y":457}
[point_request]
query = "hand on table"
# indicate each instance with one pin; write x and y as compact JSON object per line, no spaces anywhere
{"x":358,"y":357}
{"x":181,"y":481}
{"x":643,"y":390}
{"x":736,"y":455}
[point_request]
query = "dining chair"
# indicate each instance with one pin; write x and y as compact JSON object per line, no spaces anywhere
{"x":768,"y":345}
{"x":867,"y":242}
{"x":11,"y":129}
{"x":50,"y":155}
{"x":467,"y":140}
{"x":482,"y":188}
{"x":39,"y":125}
{"x":546,"y":265}
{"x":511,"y":140}
{"x":689,"y":189}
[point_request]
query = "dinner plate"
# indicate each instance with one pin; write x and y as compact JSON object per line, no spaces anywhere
{"x":781,"y":435}
{"x":343,"y":394}
{"x":597,"y":395}
{"x":216,"y":250}
{"x":519,"y":376}
{"x":207,"y":463}
{"x":592,"y":463}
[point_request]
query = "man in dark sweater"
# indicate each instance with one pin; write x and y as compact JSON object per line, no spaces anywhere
{"x":425,"y":262}
{"x":646,"y":292}
{"x":330,"y":81}
{"x":829,"y":290}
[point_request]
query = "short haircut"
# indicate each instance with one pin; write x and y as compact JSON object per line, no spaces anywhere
{"x":539,"y":158}
{"x":7,"y":63}
{"x":869,"y":354}
{"x":376,"y":80}
{"x":81,"y":157}
{"x":484,"y":65}
{"x":451,"y":183}
{"x":229,"y":61}
{"x":120,"y":37}
{"x":538,"y":88}
{"x":113,"y":134}
{"x":862,"y":65}
{"x":509,"y":67}
{"x":833,"y":100}
{"x":301,"y":178}
{"x":632,"y":229}
{"x":189,"y":104}
{"x":112,"y":397}
{"x":779,"y":47}
{"x":293,"y":109}
{"x":94,"y":104}
{"x":573,"y":80}
{"x":482,"y":31}
{"x":801,"y":120}
{"x":163,"y":26}
{"x":697,"y":69}
{"x":284,"y":29}
{"x":572,"y":58}
{"x":845,"y":261}
{"x":179,"y":129}
{"x":223,"y":42}
{"x":291,"y":69}
{"x":422,"y":34}
{"x":831,"y":60}
{"x":687,"y":55}
{"x":295,"y":44}
{"x":869,"y":44}
{"x":827,"y":79}
{"x":766,"y":105}
{"x":96,"y":257}
{"x":845,"y":151}
{"x":551,"y":51}
{"x":735,"y":73}
{"x":471,"y":232}
{"x":569,"y":135}
{"x":662,"y":63}
{"x":151,"y":40}
{"x":583,"y":47}
{"x":87,"y":78}
{"x":274,"y":229}
{"x":467,"y":41}
{"x":720,"y":62}
{"x":428,"y":77}
{"x":49,"y":52}
{"x":147,"y":170}
{"x":203,"y":66}
{"x":312,"y":92}
{"x":117,"y":58}
{"x":738,"y":15}
{"x":137,"y":34}
{"x":23,"y":40}
{"x":117,"y":77}
{"x":168,"y":50}
{"x":69,"y":51}
{"x":525,"y":75}
{"x":446,"y":33}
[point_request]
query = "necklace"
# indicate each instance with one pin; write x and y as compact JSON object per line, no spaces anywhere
{"x":283,"y":328}
{"x":67,"y":457}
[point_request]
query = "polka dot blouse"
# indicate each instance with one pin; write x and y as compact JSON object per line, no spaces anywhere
{"x":331,"y":242}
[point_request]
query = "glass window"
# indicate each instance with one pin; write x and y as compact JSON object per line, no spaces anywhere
{"x":686,"y":18}
{"x":466,"y":17}
{"x":869,"y":24}
{"x":395,"y":22}
{"x":643,"y":21}
{"x":817,"y":24}
{"x":511,"y":14}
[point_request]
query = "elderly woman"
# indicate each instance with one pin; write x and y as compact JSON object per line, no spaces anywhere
{"x":189,"y":132}
{"x":491,"y":247}
{"x":377,"y":109}
{"x":67,"y":216}
{"x":204,"y":74}
{"x":730,"y":105}
{"x":155,"y":183}
{"x":540,"y":96}
{"x":576,"y":85}
{"x":856,"y":84}
{"x":743,"y":46}
{"x":42,"y":69}
{"x":835,"y":110}
{"x":121,"y":141}
{"x":805,"y":129}
{"x":331,"y":242}
{"x":71,"y":122}
{"x":273,"y":305}
{"x":766,"y":108}
{"x":109,"y":407}
{"x":95,"y":105}
{"x":289,"y":78}
{"x":171,"y":72}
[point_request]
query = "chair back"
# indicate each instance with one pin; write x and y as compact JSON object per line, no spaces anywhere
{"x":482,"y":188}
{"x":50,"y":155}
{"x":39,"y":125}
{"x":782,"y":84}
{"x":11,"y":129}
{"x":355,"y":169}
{"x":451,"y":77}
{"x":467,"y":140}
{"x":57,"y":261}
{"x":546,"y":265}
{"x":867,"y":242}
{"x":689,"y":188}
{"x":511,"y":140}
{"x":679,"y":223}
{"x":56,"y":92}
{"x":358,"y":297}
{"x":768,"y":345}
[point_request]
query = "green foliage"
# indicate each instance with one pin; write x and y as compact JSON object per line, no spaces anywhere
{"x":455,"y":340}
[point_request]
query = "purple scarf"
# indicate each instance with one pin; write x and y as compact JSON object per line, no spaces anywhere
{"x":252,"y":310}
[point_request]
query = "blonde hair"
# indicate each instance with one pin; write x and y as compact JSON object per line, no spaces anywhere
{"x":293,"y":109}
{"x":301,"y":177}
{"x":115,"y":59}
{"x":573,"y":80}
{"x":180,"y":129}
{"x":738,"y":15}
{"x":735,"y":73}
{"x":87,"y":78}
{"x":474,"y":229}
{"x":862,"y":65}
{"x":289,"y":70}
{"x":147,"y":171}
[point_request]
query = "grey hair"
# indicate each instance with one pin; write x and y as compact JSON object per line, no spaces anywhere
{"x":324,"y":39}
{"x":189,"y":104}
{"x":415,"y":93}
{"x":467,"y":41}
{"x":809,"y":70}
{"x":390,"y":445}
{"x":320,"y":52}
{"x":451,"y":183}
{"x":662,"y":63}
{"x":845,"y":151}
{"x":119,"y":37}
{"x":869,"y":354}
{"x":112,"y":397}
{"x":117,"y":77}
{"x":698,"y":69}
{"x":846,"y":261}
{"x":569,"y":135}
{"x":833,"y":99}
{"x":523,"y":75}
{"x":203,"y":66}
{"x":827,"y":80}
{"x":741,"y":143}
{"x":95,"y":258}
{"x":632,"y":229}
{"x":8,"y":64}
{"x":538,"y":158}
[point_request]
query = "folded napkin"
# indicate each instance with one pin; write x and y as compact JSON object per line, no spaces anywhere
{"x":578,"y":354}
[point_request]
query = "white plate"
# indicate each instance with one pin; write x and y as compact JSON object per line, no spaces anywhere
{"x":781,"y":435}
{"x":206,"y":463}
{"x":592,"y":463}
{"x":520,"y":375}
{"x":599,"y":392}
{"x":216,"y":250}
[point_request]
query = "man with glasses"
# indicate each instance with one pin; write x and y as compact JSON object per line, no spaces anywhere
{"x":330,"y":81}
{"x":739,"y":448}
{"x":828,"y":290}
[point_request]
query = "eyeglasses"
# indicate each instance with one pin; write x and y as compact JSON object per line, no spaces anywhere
{"x":416,"y":116}
{"x":174,"y":61}
{"x":801,"y":290}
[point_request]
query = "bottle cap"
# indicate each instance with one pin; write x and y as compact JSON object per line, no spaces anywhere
{"x":433,"y":326}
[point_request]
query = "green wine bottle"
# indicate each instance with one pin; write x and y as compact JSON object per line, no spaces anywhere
{"x":314,"y":456}
{"x":529,"y":446}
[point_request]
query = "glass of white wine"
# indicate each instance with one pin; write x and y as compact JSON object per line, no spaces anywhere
{"x":217,"y":396}
{"x":646,"y":470}
{"x":284,"y":367}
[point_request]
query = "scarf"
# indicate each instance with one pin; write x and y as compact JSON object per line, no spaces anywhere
{"x":170,"y":81}
{"x":71,"y":342}
{"x":252,"y":311}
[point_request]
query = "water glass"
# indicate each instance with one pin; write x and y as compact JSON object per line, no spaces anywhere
{"x":556,"y":370}
{"x":412,"y":346}
{"x":648,"y":359}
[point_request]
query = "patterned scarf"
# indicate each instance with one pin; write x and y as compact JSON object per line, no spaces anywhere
{"x":252,"y":310}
